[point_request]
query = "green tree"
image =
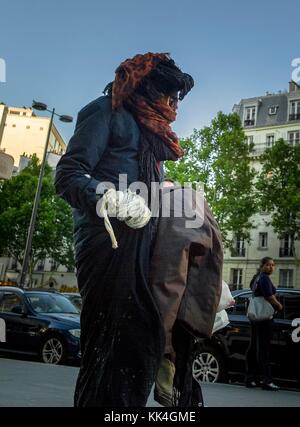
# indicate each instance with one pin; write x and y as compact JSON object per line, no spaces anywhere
{"x":219,"y":157}
{"x":278,"y":188}
{"x":53,"y":235}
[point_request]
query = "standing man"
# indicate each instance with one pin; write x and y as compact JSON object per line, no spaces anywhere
{"x":127,"y":131}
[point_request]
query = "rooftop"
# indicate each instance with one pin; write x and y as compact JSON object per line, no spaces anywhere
{"x":272,"y":109}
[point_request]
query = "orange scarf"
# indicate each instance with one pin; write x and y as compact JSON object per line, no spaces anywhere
{"x":154,"y":116}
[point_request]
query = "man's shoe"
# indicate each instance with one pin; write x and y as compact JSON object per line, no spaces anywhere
{"x":270,"y":386}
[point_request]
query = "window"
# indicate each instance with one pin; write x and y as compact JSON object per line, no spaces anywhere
{"x":239,"y":247}
{"x":27,"y":127}
{"x":14,"y":112}
{"x":294,"y":110}
{"x":41,"y":128}
{"x":263,"y":240}
{"x":249,"y":139}
{"x":294,"y":137}
{"x":270,"y":141}
{"x":9,"y":301}
{"x":250,"y":113}
{"x":286,"y":246}
{"x":13,"y":126}
{"x":286,"y":278}
{"x":54,"y":265}
{"x":40,"y":265}
{"x":236,"y":278}
{"x":273,"y":110}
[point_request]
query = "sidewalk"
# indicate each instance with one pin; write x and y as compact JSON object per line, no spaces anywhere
{"x":24,"y":383}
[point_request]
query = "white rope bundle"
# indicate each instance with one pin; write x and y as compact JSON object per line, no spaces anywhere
{"x":125,"y":206}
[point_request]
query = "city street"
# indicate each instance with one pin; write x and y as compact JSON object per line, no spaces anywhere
{"x":31,"y":384}
{"x":150,"y":210}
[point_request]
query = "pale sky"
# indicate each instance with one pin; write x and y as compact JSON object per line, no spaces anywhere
{"x":64,"y":52}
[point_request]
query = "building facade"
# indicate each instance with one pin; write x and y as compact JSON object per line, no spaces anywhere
{"x":23,"y":133}
{"x":47,"y":273}
{"x":265,"y":120}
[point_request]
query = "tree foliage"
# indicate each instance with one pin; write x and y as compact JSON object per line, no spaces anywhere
{"x":54,"y":227}
{"x":278,"y":187}
{"x":219,"y":156}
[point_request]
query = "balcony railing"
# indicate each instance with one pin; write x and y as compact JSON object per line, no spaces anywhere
{"x":294,"y":117}
{"x":260,"y":147}
{"x":238,"y":252}
{"x":286,"y":252}
{"x":249,"y":122}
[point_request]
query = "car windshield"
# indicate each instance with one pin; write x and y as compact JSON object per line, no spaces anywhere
{"x":75,"y":299}
{"x":51,"y":303}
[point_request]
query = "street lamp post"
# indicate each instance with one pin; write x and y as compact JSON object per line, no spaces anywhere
{"x":67,"y":119}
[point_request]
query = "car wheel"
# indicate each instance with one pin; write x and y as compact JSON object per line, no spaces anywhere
{"x":53,"y":350}
{"x":208,"y":365}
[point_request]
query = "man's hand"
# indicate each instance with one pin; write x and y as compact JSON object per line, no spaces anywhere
{"x":126,"y":206}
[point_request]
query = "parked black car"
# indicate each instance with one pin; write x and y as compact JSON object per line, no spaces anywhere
{"x":45,"y":324}
{"x":223,"y":355}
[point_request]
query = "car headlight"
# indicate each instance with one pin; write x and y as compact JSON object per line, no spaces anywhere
{"x":75,"y":332}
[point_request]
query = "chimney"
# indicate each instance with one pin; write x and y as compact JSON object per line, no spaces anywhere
{"x":293,"y":87}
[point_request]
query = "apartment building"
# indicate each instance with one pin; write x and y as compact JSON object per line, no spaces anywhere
{"x":265,"y":120}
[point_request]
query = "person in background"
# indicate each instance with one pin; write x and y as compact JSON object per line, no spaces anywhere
{"x":258,"y":354}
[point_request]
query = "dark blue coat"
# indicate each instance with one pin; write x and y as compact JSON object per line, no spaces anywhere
{"x":104,"y":145}
{"x":122,"y":339}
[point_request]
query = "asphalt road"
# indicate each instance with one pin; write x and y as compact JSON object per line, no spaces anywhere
{"x":32,"y":384}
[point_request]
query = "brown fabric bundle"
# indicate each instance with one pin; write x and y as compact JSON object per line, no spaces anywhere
{"x":186,"y":271}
